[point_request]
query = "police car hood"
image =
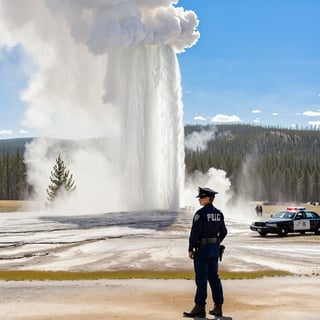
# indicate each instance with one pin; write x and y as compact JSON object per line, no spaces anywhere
{"x":274,"y":220}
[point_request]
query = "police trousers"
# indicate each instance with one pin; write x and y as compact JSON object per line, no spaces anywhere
{"x":206,"y":270}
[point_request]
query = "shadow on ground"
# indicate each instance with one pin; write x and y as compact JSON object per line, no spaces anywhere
{"x":155,"y":220}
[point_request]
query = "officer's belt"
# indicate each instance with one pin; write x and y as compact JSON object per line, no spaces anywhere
{"x":209,"y":240}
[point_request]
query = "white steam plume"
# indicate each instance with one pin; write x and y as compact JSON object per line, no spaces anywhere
{"x":238,"y":209}
{"x":214,"y":179}
{"x":105,"y":68}
{"x":198,"y":140}
{"x":107,"y":24}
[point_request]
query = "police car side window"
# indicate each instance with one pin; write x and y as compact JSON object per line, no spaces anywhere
{"x":309,"y":215}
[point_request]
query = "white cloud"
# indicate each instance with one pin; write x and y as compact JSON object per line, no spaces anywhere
{"x":312,"y":113}
{"x":257,"y":120}
{"x":200,"y":118}
{"x":225,"y":118}
{"x":275,"y":113}
{"x":23,"y":131}
{"x":256,"y":111}
{"x":314,"y":123}
{"x":128,"y":24}
{"x":6,"y":131}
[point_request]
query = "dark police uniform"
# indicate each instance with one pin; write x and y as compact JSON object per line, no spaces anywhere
{"x":207,"y":232}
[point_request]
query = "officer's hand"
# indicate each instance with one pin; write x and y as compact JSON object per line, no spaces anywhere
{"x":191,"y":255}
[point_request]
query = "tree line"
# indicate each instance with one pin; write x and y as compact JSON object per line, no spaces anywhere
{"x":13,"y":178}
{"x":13,"y":182}
{"x":263,"y":163}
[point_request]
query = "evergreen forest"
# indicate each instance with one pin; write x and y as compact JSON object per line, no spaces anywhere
{"x":13,"y":184}
{"x":263,"y":163}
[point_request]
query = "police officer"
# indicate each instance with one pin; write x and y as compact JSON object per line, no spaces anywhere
{"x":207,"y":232}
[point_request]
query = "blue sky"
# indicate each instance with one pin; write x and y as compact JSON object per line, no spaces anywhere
{"x":13,"y":79}
{"x":256,"y":62}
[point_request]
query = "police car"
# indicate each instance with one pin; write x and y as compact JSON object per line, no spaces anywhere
{"x":291,"y":220}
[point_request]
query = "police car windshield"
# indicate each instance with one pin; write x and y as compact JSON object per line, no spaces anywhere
{"x":284,"y":215}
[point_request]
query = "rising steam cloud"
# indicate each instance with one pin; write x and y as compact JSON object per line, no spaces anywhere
{"x":104,"y":25}
{"x":198,"y":140}
{"x":104,"y":68}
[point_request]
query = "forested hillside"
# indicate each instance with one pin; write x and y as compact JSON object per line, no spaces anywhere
{"x":263,"y":163}
{"x":13,"y":185}
{"x":268,"y":164}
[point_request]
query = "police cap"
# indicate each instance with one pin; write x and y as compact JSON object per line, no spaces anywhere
{"x":206,"y":192}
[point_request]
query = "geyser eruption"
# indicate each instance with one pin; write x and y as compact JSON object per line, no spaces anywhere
{"x":137,"y":108}
{"x":150,"y":120}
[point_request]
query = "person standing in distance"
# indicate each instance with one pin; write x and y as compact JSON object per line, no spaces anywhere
{"x":207,"y":232}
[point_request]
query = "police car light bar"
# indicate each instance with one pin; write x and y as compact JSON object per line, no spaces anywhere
{"x":296,"y":208}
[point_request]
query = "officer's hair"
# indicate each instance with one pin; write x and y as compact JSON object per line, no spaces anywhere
{"x":211,"y":198}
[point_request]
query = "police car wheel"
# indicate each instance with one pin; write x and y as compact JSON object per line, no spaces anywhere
{"x":283,"y":232}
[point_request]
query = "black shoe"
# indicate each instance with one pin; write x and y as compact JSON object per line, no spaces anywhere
{"x":217,"y":310}
{"x":197,"y":311}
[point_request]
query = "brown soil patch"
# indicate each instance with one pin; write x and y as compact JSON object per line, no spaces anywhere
{"x":267,"y":298}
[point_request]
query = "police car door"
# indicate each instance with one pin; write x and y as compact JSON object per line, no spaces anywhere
{"x":300,"y":222}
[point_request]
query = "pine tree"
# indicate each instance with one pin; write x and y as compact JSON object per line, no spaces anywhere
{"x":61,"y":180}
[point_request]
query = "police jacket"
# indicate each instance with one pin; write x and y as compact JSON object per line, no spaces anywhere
{"x":208,"y":222}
